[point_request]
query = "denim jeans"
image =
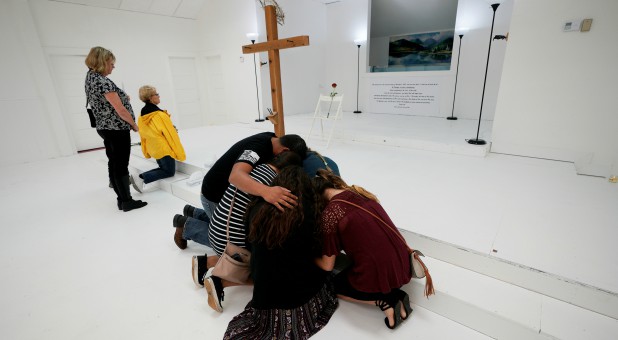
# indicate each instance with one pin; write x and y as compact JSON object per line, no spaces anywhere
{"x":197,"y":226}
{"x":167,"y":168}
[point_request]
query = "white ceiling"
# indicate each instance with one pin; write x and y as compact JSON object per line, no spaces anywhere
{"x":174,"y":8}
{"x":388,"y":16}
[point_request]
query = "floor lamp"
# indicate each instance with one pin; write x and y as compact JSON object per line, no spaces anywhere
{"x":452,"y":117}
{"x":253,"y":37}
{"x":358,"y":45}
{"x":478,"y":141}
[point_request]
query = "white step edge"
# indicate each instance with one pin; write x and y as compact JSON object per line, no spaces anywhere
{"x":472,"y":316}
{"x":505,"y":311}
{"x":577,"y":293}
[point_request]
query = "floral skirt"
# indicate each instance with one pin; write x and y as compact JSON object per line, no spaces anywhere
{"x":298,"y":323}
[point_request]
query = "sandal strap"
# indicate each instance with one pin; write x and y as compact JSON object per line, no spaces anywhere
{"x":383,"y":305}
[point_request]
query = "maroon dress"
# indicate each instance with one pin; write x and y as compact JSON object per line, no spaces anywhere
{"x":380,"y":260}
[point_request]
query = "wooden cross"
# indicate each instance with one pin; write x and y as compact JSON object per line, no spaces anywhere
{"x":273,"y":45}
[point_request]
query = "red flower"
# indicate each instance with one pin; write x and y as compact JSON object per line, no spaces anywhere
{"x":333,"y":93}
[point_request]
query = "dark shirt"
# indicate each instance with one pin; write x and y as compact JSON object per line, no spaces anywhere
{"x":254,"y":150}
{"x":287,"y":277}
{"x":312,"y":163}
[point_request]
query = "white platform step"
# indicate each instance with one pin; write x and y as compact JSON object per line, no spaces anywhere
{"x":504,"y":311}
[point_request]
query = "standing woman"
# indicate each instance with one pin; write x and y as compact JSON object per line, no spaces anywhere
{"x":352,"y":221}
{"x":114,"y":120}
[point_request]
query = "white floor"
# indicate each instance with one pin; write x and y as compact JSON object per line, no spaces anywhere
{"x":74,"y":267}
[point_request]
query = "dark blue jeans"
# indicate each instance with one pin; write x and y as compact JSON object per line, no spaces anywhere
{"x":197,"y":226}
{"x":167,"y":168}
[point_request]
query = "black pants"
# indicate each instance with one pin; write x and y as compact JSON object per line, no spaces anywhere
{"x":343,"y":287}
{"x":117,"y":148}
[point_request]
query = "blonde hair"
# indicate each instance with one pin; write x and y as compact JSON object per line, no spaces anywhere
{"x":98,"y":57}
{"x":325,"y":179}
{"x":145,"y":92}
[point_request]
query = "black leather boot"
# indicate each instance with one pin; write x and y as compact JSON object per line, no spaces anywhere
{"x":127,"y":202}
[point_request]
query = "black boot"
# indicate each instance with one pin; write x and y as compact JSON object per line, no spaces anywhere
{"x":113,"y":185}
{"x":132,"y":204}
{"x":127,"y":202}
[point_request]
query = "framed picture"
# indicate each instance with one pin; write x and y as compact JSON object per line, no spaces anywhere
{"x":432,"y":50}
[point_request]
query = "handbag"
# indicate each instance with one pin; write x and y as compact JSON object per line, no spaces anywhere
{"x":93,"y":122}
{"x":233,"y":264}
{"x":417,"y":267}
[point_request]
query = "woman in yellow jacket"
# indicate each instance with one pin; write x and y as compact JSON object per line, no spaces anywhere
{"x":159,"y":139}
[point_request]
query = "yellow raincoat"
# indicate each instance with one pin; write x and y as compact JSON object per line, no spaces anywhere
{"x":159,"y":137}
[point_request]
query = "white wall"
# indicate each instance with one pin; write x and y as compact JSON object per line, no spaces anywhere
{"x":476,"y":16}
{"x":142,"y":43}
{"x":348,"y":21}
{"x":35,"y":128}
{"x":558,"y":91}
{"x":302,"y":68}
{"x":32,"y":127}
{"x":223,"y":28}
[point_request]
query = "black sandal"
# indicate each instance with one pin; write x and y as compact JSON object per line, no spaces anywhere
{"x":384,"y":305}
{"x":405,"y":302}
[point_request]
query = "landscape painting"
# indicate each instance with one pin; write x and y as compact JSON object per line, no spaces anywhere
{"x":423,"y":49}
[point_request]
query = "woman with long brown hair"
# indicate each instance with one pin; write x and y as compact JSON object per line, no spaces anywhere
{"x":292,"y":297}
{"x":353,"y":221}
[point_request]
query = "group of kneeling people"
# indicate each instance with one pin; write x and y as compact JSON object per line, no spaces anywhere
{"x":290,"y":207}
{"x":269,"y":194}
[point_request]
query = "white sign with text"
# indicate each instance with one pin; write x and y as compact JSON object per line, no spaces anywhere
{"x":416,"y":96}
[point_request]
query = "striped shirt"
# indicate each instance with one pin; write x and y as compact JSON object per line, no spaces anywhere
{"x":217,"y":231}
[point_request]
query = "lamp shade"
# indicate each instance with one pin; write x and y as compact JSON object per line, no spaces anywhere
{"x":359,"y":41}
{"x":252,"y":36}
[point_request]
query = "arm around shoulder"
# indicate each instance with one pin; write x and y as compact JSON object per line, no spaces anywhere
{"x":239,"y":177}
{"x":280,"y":197}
